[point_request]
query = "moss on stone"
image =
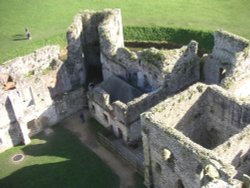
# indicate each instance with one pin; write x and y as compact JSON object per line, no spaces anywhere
{"x":232,"y":36}
{"x":30,"y":73}
{"x":199,"y":88}
{"x":152,"y":56}
{"x":228,"y":82}
{"x":47,"y":70}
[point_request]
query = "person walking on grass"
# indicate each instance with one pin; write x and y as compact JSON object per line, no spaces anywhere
{"x":27,"y":33}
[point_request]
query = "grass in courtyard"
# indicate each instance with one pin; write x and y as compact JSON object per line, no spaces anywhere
{"x":96,"y":127}
{"x":48,"y":20}
{"x":139,"y":181}
{"x":58,"y":160}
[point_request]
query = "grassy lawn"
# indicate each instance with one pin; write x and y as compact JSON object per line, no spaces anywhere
{"x":96,"y":128}
{"x":58,"y":160}
{"x":48,"y":20}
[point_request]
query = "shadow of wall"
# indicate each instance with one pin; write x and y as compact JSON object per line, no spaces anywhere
{"x":14,"y":129}
{"x":65,"y":168}
{"x":46,"y":92}
{"x":211,"y":120}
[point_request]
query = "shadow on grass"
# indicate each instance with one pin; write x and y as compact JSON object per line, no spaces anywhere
{"x":18,"y":37}
{"x":62,"y":161}
{"x":178,"y":36}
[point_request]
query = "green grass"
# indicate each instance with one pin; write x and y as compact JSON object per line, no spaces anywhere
{"x":59,"y":160}
{"x":139,"y":181}
{"x":174,"y":35}
{"x":48,"y":20}
{"x":96,"y":127}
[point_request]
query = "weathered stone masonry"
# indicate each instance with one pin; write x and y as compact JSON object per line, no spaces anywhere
{"x":195,"y":138}
{"x":43,"y":95}
{"x":160,"y":72}
{"x":199,"y":129}
{"x":229,"y":63}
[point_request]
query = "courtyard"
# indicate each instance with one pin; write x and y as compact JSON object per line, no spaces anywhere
{"x":50,"y":161}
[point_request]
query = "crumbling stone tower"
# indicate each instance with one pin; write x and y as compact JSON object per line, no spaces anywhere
{"x":197,"y":138}
{"x":43,"y":93}
{"x":92,"y":35}
{"x":96,"y":38}
{"x":229,"y":63}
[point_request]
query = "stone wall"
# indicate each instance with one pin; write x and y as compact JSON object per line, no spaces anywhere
{"x":220,"y":112}
{"x":84,"y":43}
{"x":111,"y":32}
{"x":112,"y":113}
{"x":186,"y":70}
{"x":98,"y":38}
{"x":151,"y":68}
{"x":171,"y":159}
{"x":229,"y":63}
{"x":33,"y":63}
{"x":42,"y":95}
{"x":143,"y":103}
{"x":75,"y":62}
{"x":36,"y":117}
{"x":90,"y":39}
{"x":235,"y":151}
{"x":107,"y":118}
{"x":117,"y":114}
{"x":198,"y":125}
{"x":157,"y":72}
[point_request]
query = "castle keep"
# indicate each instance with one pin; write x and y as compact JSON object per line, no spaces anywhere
{"x":193,"y":134}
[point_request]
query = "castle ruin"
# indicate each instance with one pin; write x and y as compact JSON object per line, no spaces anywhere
{"x":193,"y":134}
{"x":199,"y":130}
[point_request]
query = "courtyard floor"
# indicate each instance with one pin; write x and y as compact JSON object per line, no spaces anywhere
{"x":57,"y":159}
{"x":84,"y":133}
{"x":61,"y":158}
